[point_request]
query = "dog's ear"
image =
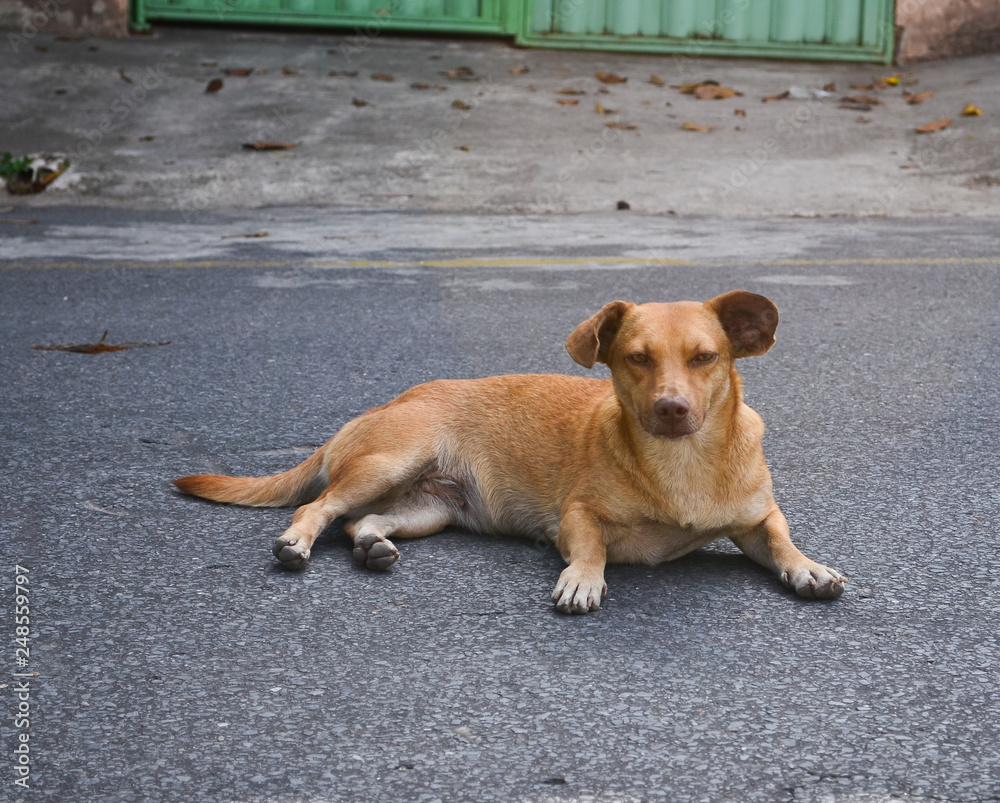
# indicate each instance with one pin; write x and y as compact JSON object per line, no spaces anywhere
{"x":748,"y":319}
{"x":591,"y":340}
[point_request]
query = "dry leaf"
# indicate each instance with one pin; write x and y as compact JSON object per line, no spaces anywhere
{"x":714,"y":92}
{"x":350,"y":74}
{"x":621,"y":126}
{"x":241,"y":236}
{"x":914,"y":98}
{"x":623,"y":205}
{"x":99,"y":347}
{"x":264,"y":145}
{"x":830,"y":87}
{"x":520,"y":69}
{"x":238,"y":72}
{"x":892,"y":80}
{"x":740,"y":112}
{"x":971,"y":110}
{"x":124,"y":77}
{"x":289,"y":71}
{"x":210,"y":64}
{"x":463,"y":147}
{"x":655,"y":80}
{"x":567,"y":101}
{"x":418,"y":85}
{"x":459,"y":104}
{"x":460,"y":74}
{"x":695,"y":127}
{"x":601,"y":110}
{"x":570,"y":91}
{"x":864,"y":100}
{"x":937,"y":125}
{"x":214,"y":85}
{"x":382,"y":76}
{"x":609,"y":78}
{"x":359,"y":102}
{"x":782,"y":96}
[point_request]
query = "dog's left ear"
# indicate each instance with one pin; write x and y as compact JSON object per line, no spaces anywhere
{"x":591,"y":340}
{"x":748,"y":319}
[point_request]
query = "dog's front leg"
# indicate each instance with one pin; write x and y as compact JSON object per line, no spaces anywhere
{"x":769,"y":545}
{"x":581,"y":542}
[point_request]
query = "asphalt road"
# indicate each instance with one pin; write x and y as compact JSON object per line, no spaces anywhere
{"x":172,"y":659}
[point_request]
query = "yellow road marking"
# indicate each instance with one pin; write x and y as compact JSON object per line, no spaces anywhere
{"x":508,"y":262}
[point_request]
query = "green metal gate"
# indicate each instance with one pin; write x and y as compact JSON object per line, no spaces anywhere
{"x":845,"y":30}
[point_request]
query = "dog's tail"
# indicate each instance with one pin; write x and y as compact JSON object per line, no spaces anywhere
{"x":293,"y":487}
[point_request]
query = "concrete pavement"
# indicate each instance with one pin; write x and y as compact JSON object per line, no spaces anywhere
{"x":135,"y":118}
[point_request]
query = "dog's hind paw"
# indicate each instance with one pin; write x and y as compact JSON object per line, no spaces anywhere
{"x":815,"y":582}
{"x":375,"y":551}
{"x":291,"y":550}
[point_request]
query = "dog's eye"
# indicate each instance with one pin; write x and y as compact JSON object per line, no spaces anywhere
{"x":638,"y":358}
{"x":705,"y":356}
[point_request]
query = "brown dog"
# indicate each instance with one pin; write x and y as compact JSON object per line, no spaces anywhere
{"x":645,"y":467}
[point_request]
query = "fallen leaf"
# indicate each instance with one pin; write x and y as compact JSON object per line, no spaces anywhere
{"x":570,"y":91}
{"x":520,"y":69}
{"x":740,"y":112}
{"x":214,"y":85}
{"x":621,"y":126}
{"x":350,"y":74}
{"x":97,"y":348}
{"x":623,"y":205}
{"x":609,"y":78}
{"x":695,"y":127}
{"x":238,"y":72}
{"x":460,"y":74}
{"x":460,"y":104}
{"x":268,"y":146}
{"x":858,"y":107}
{"x":861,"y":119}
{"x":914,"y":98}
{"x":124,"y":77}
{"x":289,"y":71}
{"x":655,"y":80}
{"x":418,"y":85}
{"x":782,"y":96}
{"x":601,"y":110}
{"x":830,"y":87}
{"x":382,"y":76}
{"x":238,"y":236}
{"x":463,"y":147}
{"x":10,"y":221}
{"x":937,"y":125}
{"x":147,"y":138}
{"x":714,"y":92}
{"x":971,"y":110}
{"x":892,"y":80}
{"x":359,"y":102}
{"x":567,"y":101}
{"x":210,"y":64}
{"x":864,"y":100}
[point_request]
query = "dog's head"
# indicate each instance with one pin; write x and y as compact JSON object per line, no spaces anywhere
{"x":671,"y":364}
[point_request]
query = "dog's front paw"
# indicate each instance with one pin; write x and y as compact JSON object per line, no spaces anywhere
{"x":578,"y":591}
{"x":375,"y":551}
{"x":815,"y":581}
{"x":291,"y":550}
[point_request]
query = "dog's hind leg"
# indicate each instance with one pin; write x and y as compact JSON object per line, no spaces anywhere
{"x":415,"y":516}
{"x":357,"y":484}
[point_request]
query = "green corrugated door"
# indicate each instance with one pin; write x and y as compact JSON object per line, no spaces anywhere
{"x":855,"y":30}
{"x":859,"y":30}
{"x":369,"y":16}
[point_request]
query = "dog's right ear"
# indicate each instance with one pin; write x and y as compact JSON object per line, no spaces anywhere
{"x":591,"y":340}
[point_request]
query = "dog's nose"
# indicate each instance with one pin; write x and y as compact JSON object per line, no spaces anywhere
{"x":672,"y":408}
